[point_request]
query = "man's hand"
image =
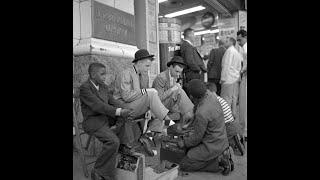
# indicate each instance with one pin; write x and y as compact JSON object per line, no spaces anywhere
{"x":176,"y":87}
{"x":126,"y":113}
{"x":179,"y":85}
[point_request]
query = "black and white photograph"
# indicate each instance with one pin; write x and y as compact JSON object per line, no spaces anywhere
{"x":159,"y":90}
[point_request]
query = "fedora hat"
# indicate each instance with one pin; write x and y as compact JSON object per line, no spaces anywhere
{"x":142,"y":54}
{"x":176,"y":59}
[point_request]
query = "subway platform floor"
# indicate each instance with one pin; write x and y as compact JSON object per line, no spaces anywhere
{"x":240,"y":172}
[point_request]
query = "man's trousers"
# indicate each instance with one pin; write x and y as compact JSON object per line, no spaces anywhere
{"x":217,"y":83}
{"x":230,"y":93}
{"x":106,"y":161}
{"x":179,"y":102}
{"x":190,"y":165}
{"x":148,"y":101}
{"x":243,"y":105}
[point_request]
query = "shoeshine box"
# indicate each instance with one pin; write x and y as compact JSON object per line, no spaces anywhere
{"x":135,"y":172}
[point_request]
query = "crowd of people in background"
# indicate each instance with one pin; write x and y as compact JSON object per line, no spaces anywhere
{"x":226,"y":67}
{"x":212,"y":98}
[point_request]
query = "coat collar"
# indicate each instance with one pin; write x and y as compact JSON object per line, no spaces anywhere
{"x":94,"y":85}
{"x":188,"y":42}
{"x":135,"y":70}
{"x":95,"y":90}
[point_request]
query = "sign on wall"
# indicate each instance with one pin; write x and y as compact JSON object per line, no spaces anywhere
{"x":227,"y":28}
{"x":243,"y":20}
{"x":112,"y":24}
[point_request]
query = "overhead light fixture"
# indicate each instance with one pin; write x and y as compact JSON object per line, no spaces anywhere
{"x":160,"y":1}
{"x":206,"y":32}
{"x":186,"y":11}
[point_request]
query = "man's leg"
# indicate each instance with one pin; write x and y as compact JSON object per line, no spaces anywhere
{"x":156,"y":125}
{"x":106,"y":161}
{"x":227,"y":93}
{"x":185,"y":104}
{"x":190,"y":165}
{"x":235,"y":100}
{"x":155,"y":104}
{"x":179,"y":102}
{"x":217,"y":82}
{"x":151,"y":101}
{"x":128,"y":132}
{"x":243,"y":104}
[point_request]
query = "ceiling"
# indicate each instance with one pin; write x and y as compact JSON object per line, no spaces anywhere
{"x":222,"y":8}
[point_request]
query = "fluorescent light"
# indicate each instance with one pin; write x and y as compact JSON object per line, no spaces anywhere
{"x":186,"y":11}
{"x":160,"y":1}
{"x":206,"y":32}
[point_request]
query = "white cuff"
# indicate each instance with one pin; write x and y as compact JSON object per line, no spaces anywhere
{"x":171,"y":123}
{"x":118,"y":111}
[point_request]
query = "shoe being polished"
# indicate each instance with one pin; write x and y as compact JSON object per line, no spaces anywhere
{"x":126,"y":149}
{"x":146,"y":145}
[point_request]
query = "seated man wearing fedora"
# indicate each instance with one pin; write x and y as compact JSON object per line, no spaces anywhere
{"x":133,"y":91}
{"x":170,"y":92}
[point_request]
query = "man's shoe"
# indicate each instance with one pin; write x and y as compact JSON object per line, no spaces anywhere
{"x":226,"y":162}
{"x":237,"y":146}
{"x":146,"y":145}
{"x":126,"y":149}
{"x":242,"y":140}
{"x":96,"y":176}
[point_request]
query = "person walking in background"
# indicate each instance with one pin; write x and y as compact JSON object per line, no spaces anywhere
{"x":230,"y":75}
{"x":195,"y":66}
{"x":214,"y":65}
{"x":242,"y":40}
